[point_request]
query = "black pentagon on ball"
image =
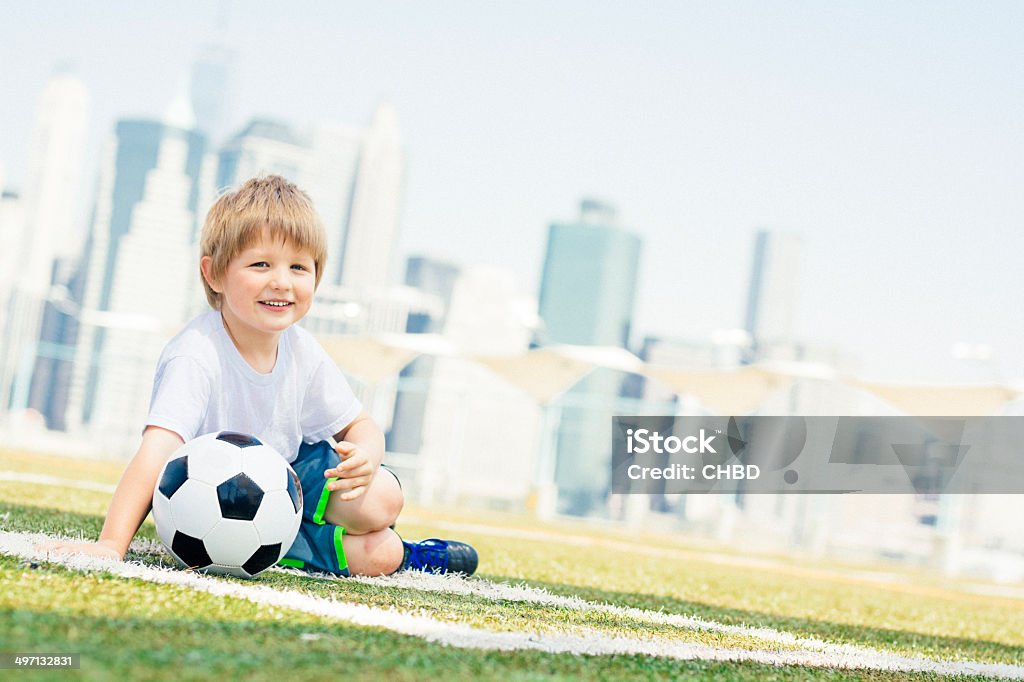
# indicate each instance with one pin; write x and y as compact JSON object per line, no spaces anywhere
{"x":239,"y":498}
{"x":294,"y":490}
{"x":190,"y":550}
{"x":242,"y":440}
{"x":175,"y":475}
{"x":262,"y":558}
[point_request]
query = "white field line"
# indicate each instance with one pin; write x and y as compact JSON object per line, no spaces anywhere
{"x":428,"y":582}
{"x":463,"y":636}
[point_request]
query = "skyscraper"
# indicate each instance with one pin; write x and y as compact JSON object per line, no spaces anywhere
{"x":12,"y":228}
{"x":330,"y":180}
{"x":371,"y":235}
{"x":208,"y":87}
{"x":263,"y":147}
{"x":154,"y":184}
{"x":54,"y":177}
{"x":12,"y":221}
{"x":589,"y":281}
{"x":48,"y":228}
{"x":774,"y":289}
{"x":55,"y":358}
{"x":434,"y":277}
{"x":586,"y":298}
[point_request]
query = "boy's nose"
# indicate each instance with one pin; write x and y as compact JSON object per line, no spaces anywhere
{"x":278,"y":281}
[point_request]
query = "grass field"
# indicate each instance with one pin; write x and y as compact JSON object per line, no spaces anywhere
{"x":557,"y":600}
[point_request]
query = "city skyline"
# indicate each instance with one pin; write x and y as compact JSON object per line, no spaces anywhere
{"x":894,"y":164}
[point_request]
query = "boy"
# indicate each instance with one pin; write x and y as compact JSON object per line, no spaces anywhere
{"x":245,"y":366}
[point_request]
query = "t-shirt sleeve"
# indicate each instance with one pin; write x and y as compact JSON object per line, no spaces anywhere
{"x":181,"y":395}
{"x":329,"y":404}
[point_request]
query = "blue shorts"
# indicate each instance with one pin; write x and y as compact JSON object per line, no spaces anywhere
{"x":317,"y":546}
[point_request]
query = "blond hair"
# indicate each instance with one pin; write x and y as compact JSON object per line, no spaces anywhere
{"x":238,"y":219}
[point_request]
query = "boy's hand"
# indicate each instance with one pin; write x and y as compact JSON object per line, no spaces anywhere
{"x":97,"y":549}
{"x":354,"y":472}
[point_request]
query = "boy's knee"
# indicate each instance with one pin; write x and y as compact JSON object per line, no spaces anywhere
{"x":372,"y":554}
{"x":376,"y":510}
{"x":393,"y":503}
{"x":387,"y":500}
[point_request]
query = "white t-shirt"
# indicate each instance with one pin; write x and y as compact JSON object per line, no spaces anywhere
{"x":203,"y":384}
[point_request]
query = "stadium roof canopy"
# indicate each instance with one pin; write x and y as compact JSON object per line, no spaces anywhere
{"x":546,"y":373}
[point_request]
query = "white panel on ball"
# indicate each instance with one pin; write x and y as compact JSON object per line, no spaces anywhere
{"x":194,"y":508}
{"x":276,"y":520}
{"x":263,"y":465}
{"x":232,"y":542}
{"x":214,"y":466}
{"x":162,"y":518}
{"x":228,"y":570}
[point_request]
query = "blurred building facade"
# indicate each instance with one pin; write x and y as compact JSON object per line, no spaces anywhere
{"x":47,"y":233}
{"x":587,"y":296}
{"x":437,"y":278}
{"x":370,"y":244}
{"x":12,"y":233}
{"x":468,"y":405}
{"x":156,"y":179}
{"x":589,"y":278}
{"x":774,"y":292}
{"x":209,"y":90}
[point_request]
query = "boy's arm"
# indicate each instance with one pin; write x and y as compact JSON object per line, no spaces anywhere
{"x":134,"y":495}
{"x":132,"y":498}
{"x":361,"y":446}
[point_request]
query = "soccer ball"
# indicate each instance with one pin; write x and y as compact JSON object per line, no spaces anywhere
{"x":226,"y":503}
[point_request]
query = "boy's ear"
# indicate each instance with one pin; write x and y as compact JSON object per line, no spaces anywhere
{"x":206,"y":267}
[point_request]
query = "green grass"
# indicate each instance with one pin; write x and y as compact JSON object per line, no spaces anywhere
{"x":132,"y":629}
{"x":127,"y":630}
{"x":471,"y":610}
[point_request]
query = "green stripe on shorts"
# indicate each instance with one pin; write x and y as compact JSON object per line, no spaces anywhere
{"x":321,"y":506}
{"x":294,"y":563}
{"x":339,"y":533}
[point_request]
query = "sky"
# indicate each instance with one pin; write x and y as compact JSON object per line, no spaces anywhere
{"x":890,"y":136}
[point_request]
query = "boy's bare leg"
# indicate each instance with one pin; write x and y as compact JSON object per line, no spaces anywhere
{"x":377,"y":553}
{"x":371,"y":547}
{"x":374,"y":510}
{"x":374,"y":549}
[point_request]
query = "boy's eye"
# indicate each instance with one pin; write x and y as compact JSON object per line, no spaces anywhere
{"x":300,"y":267}
{"x":259,"y":264}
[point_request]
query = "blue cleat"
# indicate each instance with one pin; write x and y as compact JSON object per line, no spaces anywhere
{"x":439,"y":556}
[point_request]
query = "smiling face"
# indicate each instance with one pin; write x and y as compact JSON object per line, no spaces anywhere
{"x":264,"y":290}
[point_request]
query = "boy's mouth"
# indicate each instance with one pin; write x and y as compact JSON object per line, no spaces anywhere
{"x":276,"y":304}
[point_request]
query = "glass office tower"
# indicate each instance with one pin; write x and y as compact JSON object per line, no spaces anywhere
{"x":586,"y":298}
